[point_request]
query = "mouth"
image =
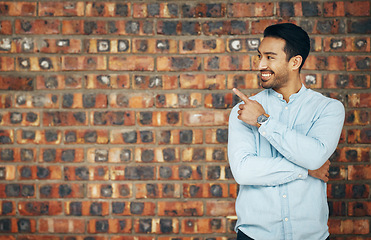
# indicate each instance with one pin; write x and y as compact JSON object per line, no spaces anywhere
{"x":266,"y":75}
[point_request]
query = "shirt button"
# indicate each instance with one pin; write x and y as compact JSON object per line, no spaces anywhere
{"x":286,"y":219}
{"x":263,"y":133}
{"x":284,"y":196}
{"x":286,"y":108}
{"x":299,"y":176}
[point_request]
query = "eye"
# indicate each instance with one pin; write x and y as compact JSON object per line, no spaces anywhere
{"x":270,"y":57}
{"x":259,"y":56}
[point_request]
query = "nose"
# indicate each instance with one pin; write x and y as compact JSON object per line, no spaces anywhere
{"x":262,"y":64}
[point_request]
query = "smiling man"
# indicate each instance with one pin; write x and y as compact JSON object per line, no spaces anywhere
{"x":279,"y":144}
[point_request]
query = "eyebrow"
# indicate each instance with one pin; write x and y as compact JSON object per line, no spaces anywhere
{"x":268,"y":53}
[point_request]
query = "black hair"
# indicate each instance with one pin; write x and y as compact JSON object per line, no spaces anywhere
{"x":297,"y":40}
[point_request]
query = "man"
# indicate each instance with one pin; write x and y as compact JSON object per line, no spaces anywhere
{"x":279,"y":144}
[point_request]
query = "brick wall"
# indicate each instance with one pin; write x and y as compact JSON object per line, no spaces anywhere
{"x":113,"y":115}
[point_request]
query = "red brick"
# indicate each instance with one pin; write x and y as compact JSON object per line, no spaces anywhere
{"x":61,"y":190}
{"x":127,"y":28}
{"x":208,"y":154}
{"x":219,"y":172}
{"x":359,"y":8}
{"x":173,"y":100}
{"x":227,"y":63}
{"x":334,"y":9}
{"x":205,"y":190}
{"x":131,"y":63}
{"x":180,"y":172}
{"x":7,"y":172}
{"x":59,"y":82}
{"x":111,"y":155}
{"x":111,"y":81}
{"x":188,"y":208}
{"x":200,"y":46}
{"x":338,"y":226}
{"x":359,"y":136}
{"x":216,"y":136}
{"x":220,"y":208}
{"x":64,"y":119}
{"x":132,"y":137}
{"x":206,"y":118}
{"x":157,"y":190}
{"x":88,"y":208}
{"x":85,"y":27}
{"x":346,"y":81}
{"x":40,"y":208}
{"x":131,"y":100}
{"x":18,"y":9}
{"x":113,"y":226}
{"x":359,"y":100}
{"x":58,"y":155}
{"x":89,"y":100}
{"x":6,"y":27}
{"x":7,"y":64}
{"x":7,"y":208}
{"x":6,"y":101}
{"x":178,"y":63}
{"x":108,"y":9}
{"x":359,"y":172}
{"x":219,"y":100}
{"x":37,"y":26}
{"x":230,"y":27}
{"x":60,"y":225}
{"x":59,"y":45}
{"x":239,"y":10}
{"x":109,"y":191}
{"x":203,"y":225}
{"x":359,"y":209}
{"x":37,"y":64}
{"x":242,"y":81}
{"x":154,"y":226}
{"x":84,"y":173}
{"x":20,"y":119}
{"x":61,"y":9}
{"x":346,"y":44}
{"x":110,"y":118}
{"x":106,"y":46}
{"x":202,"y":81}
{"x":353,"y":154}
{"x":165,"y":82}
{"x":39,"y":172}
{"x":146,"y":155}
{"x":357,"y":63}
{"x":39,"y":136}
{"x":258,"y":26}
{"x":176,"y":136}
{"x":6,"y":136}
{"x":357,"y":117}
{"x":81,"y":63}
{"x":86,"y":136}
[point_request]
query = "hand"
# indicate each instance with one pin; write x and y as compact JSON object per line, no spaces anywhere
{"x":322,"y":172}
{"x":250,"y":111}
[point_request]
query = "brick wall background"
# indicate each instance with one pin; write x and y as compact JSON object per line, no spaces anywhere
{"x":113,"y":115}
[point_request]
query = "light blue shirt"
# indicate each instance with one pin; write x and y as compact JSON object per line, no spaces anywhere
{"x":277,"y":198}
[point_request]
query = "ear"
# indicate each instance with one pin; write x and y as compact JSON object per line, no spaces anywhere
{"x":295,"y":62}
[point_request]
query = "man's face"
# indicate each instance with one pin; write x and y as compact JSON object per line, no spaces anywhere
{"x":273,"y":65}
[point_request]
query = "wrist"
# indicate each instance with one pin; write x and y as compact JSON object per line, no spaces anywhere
{"x":262,"y":119}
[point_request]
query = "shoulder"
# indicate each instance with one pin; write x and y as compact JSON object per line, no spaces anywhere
{"x":321,"y":101}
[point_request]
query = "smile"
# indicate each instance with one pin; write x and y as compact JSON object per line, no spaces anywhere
{"x":266,"y":75}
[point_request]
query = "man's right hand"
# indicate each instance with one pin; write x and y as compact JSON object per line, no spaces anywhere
{"x":322,"y":172}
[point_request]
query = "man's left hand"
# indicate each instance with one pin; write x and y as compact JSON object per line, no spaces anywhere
{"x":250,"y":110}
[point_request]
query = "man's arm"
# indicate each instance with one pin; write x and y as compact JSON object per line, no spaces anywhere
{"x":250,"y":167}
{"x":309,"y":151}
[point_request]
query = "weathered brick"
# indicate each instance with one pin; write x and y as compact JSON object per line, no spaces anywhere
{"x":199,"y":46}
{"x":6,"y":27}
{"x":359,"y":100}
{"x":359,"y":172}
{"x":109,"y":226}
{"x":132,"y":137}
{"x":39,"y":172}
{"x":359,"y":26}
{"x":358,"y":63}
{"x":131,"y":100}
{"x":352,"y":81}
{"x":230,"y":27}
{"x":219,"y":100}
{"x":92,"y":173}
{"x":205,"y":190}
{"x":40,"y":208}
{"x":109,"y":9}
{"x":86,"y":136}
{"x":359,"y":209}
{"x":347,"y":191}
{"x":203,"y":225}
{"x":189,"y":208}
{"x":220,"y":208}
{"x":131,"y":63}
{"x":147,"y":155}
{"x":198,"y":118}
{"x":137,"y":27}
{"x":61,"y":9}
{"x":61,"y":190}
{"x":89,"y":100}
{"x":18,"y":9}
{"x":157,"y":190}
{"x":359,"y":8}
{"x":114,"y":190}
{"x":72,"y":81}
{"x":38,"y":26}
{"x":83,"y":63}
{"x":242,"y":44}
{"x":157,"y":225}
{"x":165,"y":82}
{"x":7,"y":208}
{"x":357,"y":117}
{"x":64,"y":118}
{"x":7,"y":64}
{"x":110,"y":118}
{"x":349,"y":226}
{"x":57,"y":155}
{"x":227,"y":63}
{"x":186,"y":136}
{"x":180,"y":172}
{"x":334,"y":9}
{"x":359,"y":135}
{"x":60,"y":225}
{"x":172,"y":100}
{"x":6,"y":101}
{"x":208,"y":154}
{"x":17,"y":83}
{"x":6,"y":136}
{"x":220,"y":172}
{"x":39,"y":136}
{"x":337,"y":208}
{"x":86,"y":208}
{"x":19,"y":119}
{"x":64,"y":45}
{"x":178,"y":63}
{"x":7,"y":172}
{"x":37,"y":64}
{"x":15,"y":190}
{"x":112,"y":155}
{"x":346,"y":44}
{"x":257,"y":9}
{"x":202,"y":81}
{"x":133,"y":208}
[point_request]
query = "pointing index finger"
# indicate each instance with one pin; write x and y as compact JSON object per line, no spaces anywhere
{"x":241,"y":95}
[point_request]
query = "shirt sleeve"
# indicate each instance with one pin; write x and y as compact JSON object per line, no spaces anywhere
{"x":312,"y":147}
{"x":250,"y":168}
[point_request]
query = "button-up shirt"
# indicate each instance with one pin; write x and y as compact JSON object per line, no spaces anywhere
{"x":277,"y":198}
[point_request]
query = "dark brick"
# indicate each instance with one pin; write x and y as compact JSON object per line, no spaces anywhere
{"x":168,"y":154}
{"x":166,"y":225}
{"x":198,"y":154}
{"x":122,"y":10}
{"x":222,"y":135}
{"x":165,"y":172}
{"x":12,"y":190}
{"x":46,"y":190}
{"x":130,"y":137}
{"x":5,"y":225}
{"x":82,"y":173}
{"x":27,"y":155}
{"x":64,"y":190}
{"x":213,"y":172}
{"x":139,"y":173}
{"x":338,"y":191}
{"x":287,"y":9}
{"x":118,"y":207}
{"x":6,"y":208}
{"x":125,"y":155}
{"x":146,"y":136}
{"x":26,"y":172}
{"x":216,"y":190}
{"x":136,"y":207}
{"x":185,"y":172}
{"x":101,"y":226}
{"x":147,"y":155}
{"x":76,"y":208}
{"x":186,"y":136}
{"x":145,"y":225}
{"x":124,"y":190}
{"x":96,"y":209}
{"x":106,"y":190}
{"x":68,"y":155}
{"x":67,"y":100}
{"x":51,"y":135}
{"x":7,"y":154}
{"x":358,"y":191}
{"x":359,"y":26}
{"x":145,"y":118}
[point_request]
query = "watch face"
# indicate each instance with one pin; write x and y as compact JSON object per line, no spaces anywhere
{"x":262,"y":118}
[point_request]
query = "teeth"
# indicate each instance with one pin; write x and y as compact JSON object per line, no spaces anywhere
{"x":266,"y":74}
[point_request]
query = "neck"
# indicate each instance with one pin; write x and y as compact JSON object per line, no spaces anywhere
{"x":290,"y":88}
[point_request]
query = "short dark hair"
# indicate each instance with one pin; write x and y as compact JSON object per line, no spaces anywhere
{"x":297,"y":40}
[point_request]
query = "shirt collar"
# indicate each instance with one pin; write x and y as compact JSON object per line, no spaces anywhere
{"x":292,"y":97}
